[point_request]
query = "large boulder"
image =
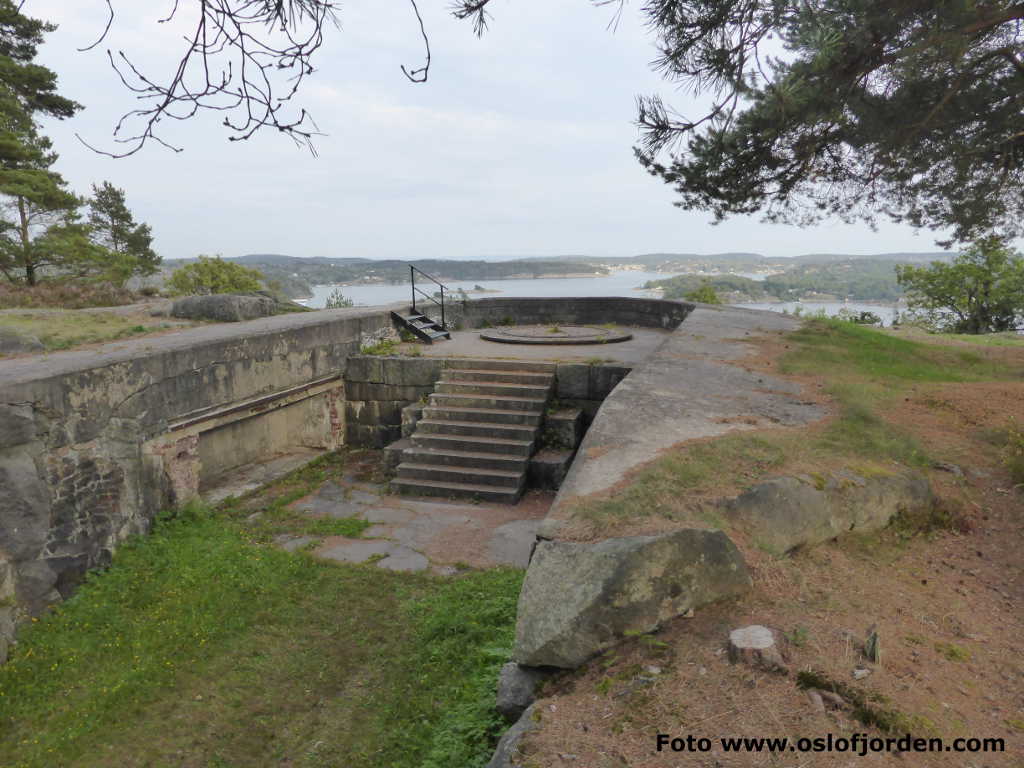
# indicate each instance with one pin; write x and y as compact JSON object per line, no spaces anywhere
{"x":16,"y":342}
{"x":785,"y":513}
{"x":580,"y":599}
{"x":223,"y":307}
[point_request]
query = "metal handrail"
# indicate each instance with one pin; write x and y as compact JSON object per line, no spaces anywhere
{"x":412,"y":279}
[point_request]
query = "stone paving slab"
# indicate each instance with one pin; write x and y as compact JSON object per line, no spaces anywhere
{"x":411,"y":534}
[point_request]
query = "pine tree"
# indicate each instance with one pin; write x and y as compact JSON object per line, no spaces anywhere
{"x":911,"y":109}
{"x":38,"y":220}
{"x":113,"y":226}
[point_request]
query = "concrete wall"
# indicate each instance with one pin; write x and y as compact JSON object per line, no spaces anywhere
{"x":597,"y":310}
{"x":94,"y":442}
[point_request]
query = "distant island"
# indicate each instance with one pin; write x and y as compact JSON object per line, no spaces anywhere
{"x":817,"y":275}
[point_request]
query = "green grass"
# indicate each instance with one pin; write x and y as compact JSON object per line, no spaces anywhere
{"x":200,"y":647}
{"x":660,"y":485}
{"x":383,"y":347}
{"x":864,"y":368}
{"x":1007,"y":339}
{"x":63,"y":330}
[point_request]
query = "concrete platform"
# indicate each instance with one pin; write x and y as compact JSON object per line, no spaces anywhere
{"x":469,"y":344}
{"x":417,"y":534}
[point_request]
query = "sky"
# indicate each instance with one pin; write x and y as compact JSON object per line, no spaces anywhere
{"x":519,"y":144}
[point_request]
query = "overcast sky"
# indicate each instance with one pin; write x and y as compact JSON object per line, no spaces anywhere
{"x":519,"y":144}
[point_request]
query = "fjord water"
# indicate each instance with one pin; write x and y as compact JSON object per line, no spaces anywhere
{"x":618,"y":283}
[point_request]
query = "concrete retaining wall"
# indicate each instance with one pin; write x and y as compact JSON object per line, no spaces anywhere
{"x":588,"y":310}
{"x":94,"y":442}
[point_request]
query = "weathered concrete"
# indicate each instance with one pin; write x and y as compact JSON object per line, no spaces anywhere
{"x":686,"y":390}
{"x":95,"y":442}
{"x":581,"y":599}
{"x":582,"y":310}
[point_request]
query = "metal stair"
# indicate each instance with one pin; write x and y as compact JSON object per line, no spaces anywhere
{"x":421,"y":326}
{"x":478,"y":432}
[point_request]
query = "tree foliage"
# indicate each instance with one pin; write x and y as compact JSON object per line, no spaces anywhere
{"x":981,"y":291}
{"x":337,"y":300}
{"x":705,"y":294}
{"x":913,"y":109}
{"x":114,"y":227}
{"x":211,"y":274}
{"x":38,"y":214}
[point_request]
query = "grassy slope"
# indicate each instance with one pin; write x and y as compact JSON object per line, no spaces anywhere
{"x":58,"y":330}
{"x":200,"y":647}
{"x":863,"y":369}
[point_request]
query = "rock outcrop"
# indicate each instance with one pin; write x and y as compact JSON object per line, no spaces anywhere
{"x":507,"y":754}
{"x":785,"y":513}
{"x":580,"y":599}
{"x":223,"y":307}
{"x":517,"y":688}
{"x":15,"y":342}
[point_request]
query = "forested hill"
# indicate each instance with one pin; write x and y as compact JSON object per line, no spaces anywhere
{"x":295,"y":276}
{"x":850,"y":278}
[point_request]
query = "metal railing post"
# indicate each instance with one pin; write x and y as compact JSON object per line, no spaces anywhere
{"x":442,"y":309}
{"x":412,"y":281}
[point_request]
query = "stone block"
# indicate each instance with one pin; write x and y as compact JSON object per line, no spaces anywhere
{"x":364,"y":368}
{"x":371,"y":390}
{"x":581,"y":599}
{"x":507,"y":754}
{"x":24,"y":507}
{"x":223,"y":307}
{"x":517,"y":688}
{"x":17,"y":425}
{"x":363,"y":436}
{"x":411,"y":415}
{"x":604,"y":378}
{"x":393,"y":452}
{"x":547,"y":468}
{"x":374,"y":412}
{"x":563,"y":428}
{"x":572,"y":380}
{"x":411,"y":371}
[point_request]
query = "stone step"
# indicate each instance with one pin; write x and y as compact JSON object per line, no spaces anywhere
{"x":508,"y":377}
{"x":493,"y":402}
{"x":482,"y":415}
{"x":473,"y":444}
{"x":500,"y":365}
{"x":476,"y":429}
{"x":448,"y":474}
{"x":538,"y":391}
{"x":457,"y":490}
{"x":475,"y":459}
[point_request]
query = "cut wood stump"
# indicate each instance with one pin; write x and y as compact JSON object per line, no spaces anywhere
{"x":757,"y":646}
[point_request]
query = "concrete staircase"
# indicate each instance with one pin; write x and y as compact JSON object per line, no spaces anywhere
{"x":478,"y":431}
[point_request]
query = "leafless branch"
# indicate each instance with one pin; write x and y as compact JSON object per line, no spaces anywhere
{"x":246,"y":58}
{"x":419,"y":75}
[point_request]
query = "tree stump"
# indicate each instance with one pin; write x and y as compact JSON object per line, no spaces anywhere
{"x":757,"y":646}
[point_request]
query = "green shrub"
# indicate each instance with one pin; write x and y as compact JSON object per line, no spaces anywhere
{"x":211,"y":274}
{"x":338,"y":300}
